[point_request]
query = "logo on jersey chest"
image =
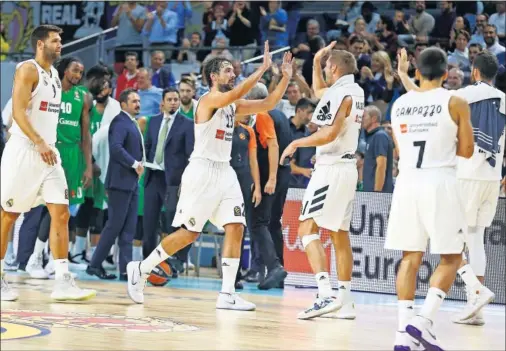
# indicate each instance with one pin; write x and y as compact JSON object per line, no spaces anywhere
{"x":220,"y":134}
{"x":49,"y":107}
{"x":43,"y":106}
{"x":404,"y":128}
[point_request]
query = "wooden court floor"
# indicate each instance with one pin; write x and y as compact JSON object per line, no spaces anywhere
{"x":185,"y":319}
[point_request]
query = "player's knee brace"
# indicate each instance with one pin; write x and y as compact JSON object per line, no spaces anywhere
{"x":476,"y":247}
{"x":306,"y":239}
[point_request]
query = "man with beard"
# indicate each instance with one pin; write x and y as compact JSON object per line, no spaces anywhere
{"x":169,"y":143}
{"x":209,"y":186}
{"x":188,"y":103}
{"x":31,"y":170}
{"x":490,"y":37}
{"x":126,"y":165}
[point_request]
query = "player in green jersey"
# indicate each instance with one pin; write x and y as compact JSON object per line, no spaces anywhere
{"x":73,"y":132}
{"x":73,"y":137}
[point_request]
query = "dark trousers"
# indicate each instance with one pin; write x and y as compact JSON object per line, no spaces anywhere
{"x":154,"y":197}
{"x":266,"y":222}
{"x":28,"y":233}
{"x":121,"y":224}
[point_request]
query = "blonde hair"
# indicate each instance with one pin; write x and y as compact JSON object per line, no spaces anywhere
{"x":344,"y":60}
{"x":383,"y":57}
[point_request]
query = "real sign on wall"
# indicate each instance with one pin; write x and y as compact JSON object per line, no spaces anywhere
{"x":77,"y":19}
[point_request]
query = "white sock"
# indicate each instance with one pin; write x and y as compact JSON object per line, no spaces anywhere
{"x":323,"y":281}
{"x":2,"y":267}
{"x":39,"y":247}
{"x":157,"y":256}
{"x":344,"y":289}
{"x":432,"y":303}
{"x":10,"y":249}
{"x":79,"y":245}
{"x":229,"y":267}
{"x":406,"y":311}
{"x":137,"y":253}
{"x":469,"y":278}
{"x":61,"y":267}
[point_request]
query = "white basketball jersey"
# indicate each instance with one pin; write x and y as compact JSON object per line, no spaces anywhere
{"x":425,"y":132}
{"x":213,"y":139}
{"x":483,"y":100}
{"x":347,"y":141}
{"x":44,"y":107}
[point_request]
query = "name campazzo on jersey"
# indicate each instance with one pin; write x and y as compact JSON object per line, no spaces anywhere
{"x":429,"y":110}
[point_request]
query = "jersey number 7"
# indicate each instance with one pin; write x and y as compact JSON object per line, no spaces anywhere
{"x":421,"y":145}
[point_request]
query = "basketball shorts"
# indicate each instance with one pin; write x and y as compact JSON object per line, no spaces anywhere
{"x":73,"y":164}
{"x":426,"y":204}
{"x":97,"y":193}
{"x":328,"y":199}
{"x":209,"y":191}
{"x":480,"y":201}
{"x":27,"y":181}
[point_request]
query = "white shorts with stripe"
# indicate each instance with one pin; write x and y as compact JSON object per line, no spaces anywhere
{"x":328,"y":199}
{"x":480,"y":199}
{"x":426,"y":204}
{"x":27,"y":181}
{"x":209,"y":191}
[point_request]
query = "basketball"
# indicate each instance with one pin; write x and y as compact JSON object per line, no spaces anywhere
{"x":160,"y":275}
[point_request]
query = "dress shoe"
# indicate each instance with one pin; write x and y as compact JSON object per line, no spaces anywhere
{"x":100,"y":272}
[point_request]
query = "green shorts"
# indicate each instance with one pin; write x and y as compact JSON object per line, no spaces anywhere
{"x":97,"y":193}
{"x":73,"y":164}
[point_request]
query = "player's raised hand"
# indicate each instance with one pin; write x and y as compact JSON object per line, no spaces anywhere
{"x":286,"y":66}
{"x":324,"y":51}
{"x":48,"y":155}
{"x":402,"y":62}
{"x":267,"y":57}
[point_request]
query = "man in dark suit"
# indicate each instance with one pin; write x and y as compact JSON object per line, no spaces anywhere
{"x":169,"y":144}
{"x":126,"y":149}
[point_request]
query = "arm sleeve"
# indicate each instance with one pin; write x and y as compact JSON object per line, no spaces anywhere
{"x":265,"y":128}
{"x":252,"y":145}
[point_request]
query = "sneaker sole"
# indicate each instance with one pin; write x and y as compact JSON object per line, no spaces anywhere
{"x":417,"y":334}
{"x":479,"y":307}
{"x":474,"y":322}
{"x":322,"y":312}
{"x":81,"y":298}
{"x":235,"y":309}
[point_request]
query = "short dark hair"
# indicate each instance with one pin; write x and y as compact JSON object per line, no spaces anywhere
{"x":197,"y":33}
{"x":169,"y":90}
{"x":387,"y":21}
{"x":64,"y":63}
{"x":213,"y":66}
{"x":123,"y":97}
{"x":486,"y":63}
{"x":42,"y":33}
{"x":357,"y":39}
{"x":131,"y":53}
{"x":475,"y":45}
{"x":432,"y":63}
{"x":304,"y":104}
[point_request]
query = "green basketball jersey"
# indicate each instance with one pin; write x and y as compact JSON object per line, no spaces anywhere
{"x":95,"y":120}
{"x":69,"y":121}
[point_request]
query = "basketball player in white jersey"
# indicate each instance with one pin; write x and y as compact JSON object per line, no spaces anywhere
{"x":209,"y":187}
{"x":479,"y":181}
{"x":31,"y":170}
{"x":328,"y":200}
{"x":431,"y":127}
